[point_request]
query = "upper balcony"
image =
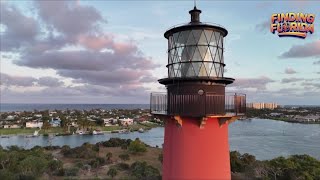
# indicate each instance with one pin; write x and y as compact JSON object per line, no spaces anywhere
{"x":198,"y":105}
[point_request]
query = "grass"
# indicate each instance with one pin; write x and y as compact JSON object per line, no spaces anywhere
{"x":55,"y":130}
{"x":109,"y":128}
{"x":29,"y":131}
{"x":150,"y":156}
{"x":134,"y":127}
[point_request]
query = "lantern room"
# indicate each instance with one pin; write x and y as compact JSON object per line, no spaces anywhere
{"x":196,"y":83}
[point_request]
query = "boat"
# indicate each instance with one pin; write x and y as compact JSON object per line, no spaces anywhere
{"x":35,"y":134}
{"x":141,"y":130}
{"x":80,"y":132}
{"x":124,"y":131}
{"x":5,"y":136}
{"x":97,"y":132}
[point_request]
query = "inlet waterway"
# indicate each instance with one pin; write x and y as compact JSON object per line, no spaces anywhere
{"x":266,"y":139}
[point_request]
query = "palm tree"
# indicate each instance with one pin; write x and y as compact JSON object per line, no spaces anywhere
{"x":112,"y":172}
{"x":108,"y":156}
{"x":46,"y":124}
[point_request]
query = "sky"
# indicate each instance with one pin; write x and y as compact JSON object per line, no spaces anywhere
{"x":106,"y":52}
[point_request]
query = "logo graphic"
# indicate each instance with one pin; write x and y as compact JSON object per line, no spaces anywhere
{"x":292,"y":24}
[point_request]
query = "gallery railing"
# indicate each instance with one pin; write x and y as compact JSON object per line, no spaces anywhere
{"x":195,"y":105}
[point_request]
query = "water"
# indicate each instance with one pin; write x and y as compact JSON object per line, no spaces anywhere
{"x":266,"y":139}
{"x":30,"y":107}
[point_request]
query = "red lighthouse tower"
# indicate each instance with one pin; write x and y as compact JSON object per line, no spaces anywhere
{"x":195,"y":107}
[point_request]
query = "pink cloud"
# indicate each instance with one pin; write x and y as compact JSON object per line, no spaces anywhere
{"x":96,"y":42}
{"x":300,"y":51}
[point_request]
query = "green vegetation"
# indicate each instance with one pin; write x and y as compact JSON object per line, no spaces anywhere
{"x":285,"y":114}
{"x":110,"y":128}
{"x":112,"y":172}
{"x":62,"y":130}
{"x":17,"y":163}
{"x":124,"y":157}
{"x":107,"y":160}
{"x":85,"y":151}
{"x":109,"y":156}
{"x":292,"y":168}
{"x":141,"y":170}
{"x":137,"y":146}
{"x":116,"y":142}
{"x":53,"y":130}
{"x":72,"y":120}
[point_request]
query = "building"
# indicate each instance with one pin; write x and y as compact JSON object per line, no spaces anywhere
{"x":108,"y":121}
{"x":195,"y":107}
{"x":55,"y":122}
{"x":10,"y":118}
{"x":11,"y":126}
{"x":259,"y":105}
{"x":34,"y":124}
{"x":38,"y":115}
{"x":126,"y":121}
{"x":308,"y":118}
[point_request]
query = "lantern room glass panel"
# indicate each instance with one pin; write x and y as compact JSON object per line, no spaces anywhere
{"x":195,"y":53}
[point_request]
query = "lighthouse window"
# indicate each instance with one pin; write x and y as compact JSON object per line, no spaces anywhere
{"x":203,"y":39}
{"x":183,"y":38}
{"x":195,"y":53}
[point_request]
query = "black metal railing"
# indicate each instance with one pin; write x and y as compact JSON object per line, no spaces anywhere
{"x":208,"y":104}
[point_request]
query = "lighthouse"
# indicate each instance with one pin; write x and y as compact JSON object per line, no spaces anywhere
{"x":196,"y":109}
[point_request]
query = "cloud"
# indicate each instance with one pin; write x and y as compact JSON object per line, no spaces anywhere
{"x":7,"y":80}
{"x":290,"y":71}
{"x":312,"y":85}
{"x":302,"y":51}
{"x":259,"y":83}
{"x":284,"y":96}
{"x":49,"y":81}
{"x":72,"y":43}
{"x":24,"y":81}
{"x":290,"y":80}
{"x":20,"y":29}
{"x":72,"y":18}
{"x":316,"y":63}
{"x":263,"y":26}
{"x":76,"y":94}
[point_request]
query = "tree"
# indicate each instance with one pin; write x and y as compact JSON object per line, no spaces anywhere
{"x":100,"y":122}
{"x":141,"y":170}
{"x":32,"y":166}
{"x":4,"y":158}
{"x":65,"y":122}
{"x":55,"y":166}
{"x":7,"y":175}
{"x":240,"y":162}
{"x":160,"y":158}
{"x":124,"y":157}
{"x":46,"y":124}
{"x":112,"y":172}
{"x":108,"y":156}
{"x":137,"y":146}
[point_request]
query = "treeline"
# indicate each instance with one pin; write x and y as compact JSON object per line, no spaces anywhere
{"x":21,"y":164}
{"x":263,"y":113}
{"x":18,"y":163}
{"x":295,"y":167}
{"x":39,"y":162}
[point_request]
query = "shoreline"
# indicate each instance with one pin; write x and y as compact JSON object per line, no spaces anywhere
{"x":283,"y":120}
{"x":58,"y":131}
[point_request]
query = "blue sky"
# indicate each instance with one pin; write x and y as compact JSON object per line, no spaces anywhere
{"x":114,"y":51}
